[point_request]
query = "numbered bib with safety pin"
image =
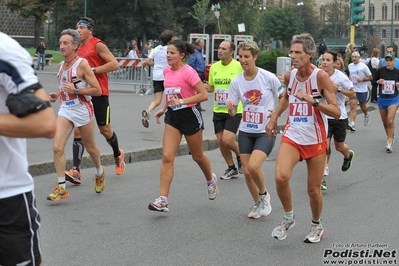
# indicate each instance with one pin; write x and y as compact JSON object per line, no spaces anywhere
{"x":221,"y":96}
{"x":253,"y":116}
{"x":300,"y":112}
{"x":388,"y":87}
{"x":171,"y":93}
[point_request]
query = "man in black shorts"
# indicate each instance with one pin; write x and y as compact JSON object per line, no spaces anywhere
{"x":102,"y":61}
{"x":19,"y":218}
{"x":220,"y":76}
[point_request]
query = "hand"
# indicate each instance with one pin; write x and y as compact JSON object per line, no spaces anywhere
{"x":271,"y":129}
{"x":158,"y":115}
{"x":53,"y":96}
{"x":68,"y":87}
{"x":229,"y":104}
{"x":174,"y":102}
{"x":303,"y":96}
{"x":206,"y":85}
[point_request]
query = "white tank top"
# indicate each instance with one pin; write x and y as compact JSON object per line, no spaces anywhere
{"x":70,"y":100}
{"x":305,"y":125}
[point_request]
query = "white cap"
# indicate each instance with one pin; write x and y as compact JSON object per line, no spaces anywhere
{"x":355,"y":54}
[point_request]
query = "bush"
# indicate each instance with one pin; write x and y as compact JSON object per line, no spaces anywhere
{"x":268,"y":59}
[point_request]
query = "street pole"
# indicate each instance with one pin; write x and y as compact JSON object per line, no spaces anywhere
{"x":262,"y":8}
{"x":335,"y":18}
{"x":368,"y":30}
{"x":250,"y":17}
{"x":392,"y":22}
{"x":85,"y":8}
{"x":217,"y":15}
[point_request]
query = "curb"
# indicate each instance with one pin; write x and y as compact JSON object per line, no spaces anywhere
{"x":46,"y":168}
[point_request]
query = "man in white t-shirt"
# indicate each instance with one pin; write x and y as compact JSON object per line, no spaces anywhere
{"x":19,"y":218}
{"x":359,"y":74}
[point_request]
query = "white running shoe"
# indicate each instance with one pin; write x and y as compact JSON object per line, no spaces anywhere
{"x":316,"y":233}
{"x":159,"y":204}
{"x":264,"y":205}
{"x":326,"y":171}
{"x":280,"y":232}
{"x":366,"y":119}
{"x":255,"y":212}
{"x":389,"y":147}
{"x":213,"y":189}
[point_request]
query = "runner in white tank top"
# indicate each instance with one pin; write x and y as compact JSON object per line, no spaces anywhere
{"x":309,"y":96}
{"x":77,"y":83}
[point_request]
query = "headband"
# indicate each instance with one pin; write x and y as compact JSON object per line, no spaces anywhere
{"x":85,"y":24}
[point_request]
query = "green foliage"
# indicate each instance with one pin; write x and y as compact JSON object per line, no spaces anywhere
{"x":282,"y":24}
{"x":203,"y":14}
{"x":268,"y":59}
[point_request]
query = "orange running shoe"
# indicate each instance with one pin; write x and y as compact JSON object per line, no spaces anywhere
{"x":120,"y":163}
{"x":58,"y":194}
{"x":99,"y":185}
{"x":73,"y":176}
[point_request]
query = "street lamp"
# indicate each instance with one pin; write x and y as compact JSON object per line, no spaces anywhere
{"x":300,"y":4}
{"x":216,"y":8}
{"x":48,"y":21}
{"x":262,"y":8}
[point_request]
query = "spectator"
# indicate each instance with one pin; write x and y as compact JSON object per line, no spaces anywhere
{"x":40,"y":53}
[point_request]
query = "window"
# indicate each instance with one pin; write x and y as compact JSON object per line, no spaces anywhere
{"x":396,"y":33}
{"x":383,"y":34}
{"x":372,"y":12}
{"x":384,"y":12}
{"x":396,"y":11}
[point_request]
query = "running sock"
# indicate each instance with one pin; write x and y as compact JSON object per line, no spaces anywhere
{"x":61,"y":182}
{"x":289,"y":214}
{"x":232,"y":167}
{"x":113,"y":142}
{"x":77,"y":151}
{"x":316,"y":222}
{"x":99,"y":171}
{"x":210,"y":182}
{"x":263,"y":193}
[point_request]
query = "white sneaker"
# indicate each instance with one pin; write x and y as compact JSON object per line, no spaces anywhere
{"x":352,"y":126}
{"x":389,"y":147}
{"x":160,"y":204}
{"x":213,"y":189}
{"x":264,"y":205}
{"x":280,"y":232}
{"x":326,"y":171}
{"x":255,"y":212}
{"x":366,"y":119}
{"x":316,"y":233}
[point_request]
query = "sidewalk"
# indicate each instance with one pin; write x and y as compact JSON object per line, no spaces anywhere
{"x":139,"y":143}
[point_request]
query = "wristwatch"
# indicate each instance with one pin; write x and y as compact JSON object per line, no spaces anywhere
{"x":76,"y":91}
{"x":94,"y":69}
{"x":316,"y":102}
{"x":181,"y":101}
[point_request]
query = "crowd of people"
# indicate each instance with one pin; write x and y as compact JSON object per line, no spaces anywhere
{"x":244,"y":97}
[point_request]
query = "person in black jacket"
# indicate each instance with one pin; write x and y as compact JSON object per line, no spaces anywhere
{"x":40,"y":54}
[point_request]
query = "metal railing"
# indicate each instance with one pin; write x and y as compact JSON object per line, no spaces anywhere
{"x":133,"y":72}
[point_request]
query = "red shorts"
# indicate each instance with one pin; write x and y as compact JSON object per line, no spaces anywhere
{"x":307,"y":151}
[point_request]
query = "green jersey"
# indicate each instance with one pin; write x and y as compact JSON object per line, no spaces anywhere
{"x":220,"y":77}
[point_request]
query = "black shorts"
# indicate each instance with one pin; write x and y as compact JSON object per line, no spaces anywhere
{"x":248,"y":142}
{"x":338,"y":129}
{"x":158,"y":86}
{"x":102,"y":111}
{"x":19,"y":231}
{"x":225,"y":121}
{"x":187,"y":120}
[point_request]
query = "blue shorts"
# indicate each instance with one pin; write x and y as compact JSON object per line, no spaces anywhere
{"x":384,"y":103}
{"x":361,"y":97}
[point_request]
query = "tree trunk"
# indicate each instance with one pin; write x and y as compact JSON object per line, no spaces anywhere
{"x":37,"y":31}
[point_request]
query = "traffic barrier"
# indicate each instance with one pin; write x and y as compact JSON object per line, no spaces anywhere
{"x":133,"y":72}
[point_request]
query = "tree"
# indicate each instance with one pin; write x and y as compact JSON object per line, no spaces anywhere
{"x":282,"y":24}
{"x":202,"y":13}
{"x":27,"y":8}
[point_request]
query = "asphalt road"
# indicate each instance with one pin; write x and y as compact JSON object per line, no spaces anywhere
{"x":116,"y":228}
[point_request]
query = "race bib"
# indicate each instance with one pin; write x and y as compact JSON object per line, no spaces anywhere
{"x":220,"y":96}
{"x":353,"y":79}
{"x":300,"y":112}
{"x":388,"y":87}
{"x":171,"y":93}
{"x":253,"y":116}
{"x":68,"y":99}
